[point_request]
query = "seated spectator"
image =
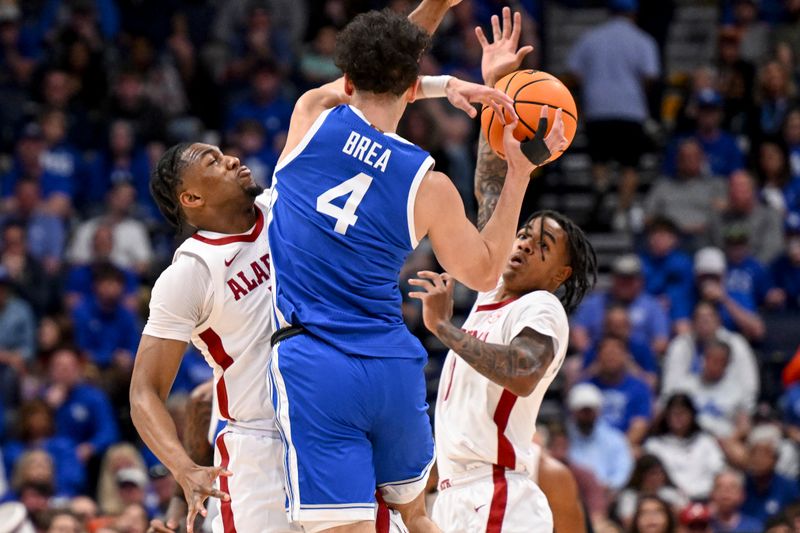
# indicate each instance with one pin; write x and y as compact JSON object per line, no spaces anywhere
{"x":61,"y":161}
{"x":785,"y":271}
{"x":119,"y":457}
{"x":775,"y":97}
{"x":649,"y":477}
{"x":791,"y":138}
{"x":723,"y":405}
{"x":737,"y":308}
{"x":649,"y":321}
{"x":255,"y":153}
{"x":627,"y":400}
{"x":80,"y":279}
{"x":104,"y":329}
{"x":767,"y":492}
{"x":653,"y":515}
{"x":778,"y":190}
{"x":746,"y":279}
{"x":689,"y":198}
{"x":690,"y":456}
{"x":85,"y":508}
{"x":132,"y":248}
{"x":618,"y":325}
{"x":37,"y":432}
{"x":33,"y":480}
{"x":132,"y":485}
{"x":83,"y":412}
{"x":129,"y":102}
{"x":724,"y":155}
{"x":727,"y":498}
{"x":132,"y":518}
{"x":65,"y":522}
{"x":684,"y":355}
{"x":264,"y":104}
{"x":594,"y":444}
{"x":668,"y":271}
{"x":744,"y":209}
{"x":27,"y":161}
{"x":17,"y":340}
{"x":32,"y":282}
{"x":46,"y":234}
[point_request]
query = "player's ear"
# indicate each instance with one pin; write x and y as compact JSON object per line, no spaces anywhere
{"x":413,"y":91}
{"x":190,"y":199}
{"x":349,"y":88}
{"x":563,"y":275}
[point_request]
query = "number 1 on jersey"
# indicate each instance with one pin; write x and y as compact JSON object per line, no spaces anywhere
{"x":345,"y":216}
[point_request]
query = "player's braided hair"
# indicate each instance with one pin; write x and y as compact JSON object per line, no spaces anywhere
{"x":380,"y":52}
{"x":582,"y":259}
{"x":164,"y":183}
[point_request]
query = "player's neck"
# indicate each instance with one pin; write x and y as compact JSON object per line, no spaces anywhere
{"x":383,"y":114}
{"x":230,"y":223}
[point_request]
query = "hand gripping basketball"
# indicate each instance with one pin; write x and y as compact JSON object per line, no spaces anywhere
{"x":539,"y":149}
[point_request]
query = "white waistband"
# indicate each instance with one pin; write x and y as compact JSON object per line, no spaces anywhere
{"x":264,"y":427}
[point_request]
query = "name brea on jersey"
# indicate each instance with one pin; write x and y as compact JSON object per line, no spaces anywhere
{"x":366,"y":150}
{"x":244,"y":281}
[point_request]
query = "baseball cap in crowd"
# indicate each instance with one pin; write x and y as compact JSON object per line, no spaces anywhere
{"x":709,"y":261}
{"x":695,"y":515}
{"x":133,"y":476}
{"x":584,"y":395}
{"x":627,"y":265}
{"x":709,"y":98}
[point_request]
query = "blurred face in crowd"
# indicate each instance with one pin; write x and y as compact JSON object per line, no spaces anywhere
{"x":741,"y":192}
{"x":37,"y":421}
{"x":14,"y":240}
{"x":27,"y":196}
{"x":29,"y":151}
{"x":36,"y":467}
{"x":121,"y":198}
{"x":728,"y":493}
{"x":690,"y":160}
{"x":793,"y":248}
{"x":57,"y":89}
{"x":762,"y":459}
{"x":772,"y":162}
{"x":65,"y":523}
{"x":35,"y":499}
{"x":729,"y":49}
{"x":774,"y":80}
{"x":617,"y":323}
{"x":737,"y":251}
{"x":121,"y":138}
{"x":709,"y":119}
{"x":661,"y":242}
{"x":715,"y":363}
{"x":103,"y":242}
{"x":251,"y":138}
{"x":9,"y":33}
{"x":54,"y":127}
{"x":654,"y":478}
{"x":679,"y":420}
{"x":625,"y":288}
{"x":745,"y":12}
{"x":109,"y":291}
{"x":585,"y":419}
{"x":612,"y":358}
{"x":652,"y":517}
{"x":129,"y":90}
{"x":265,"y":85}
{"x":65,"y":368}
{"x":132,"y":520}
{"x":130,"y":493}
{"x":706,"y":322}
{"x":791,"y":128}
{"x":559,"y":446}
{"x":79,"y":57}
{"x":83,"y":507}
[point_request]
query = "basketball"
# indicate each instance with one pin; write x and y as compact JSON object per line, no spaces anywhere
{"x":531,"y":89}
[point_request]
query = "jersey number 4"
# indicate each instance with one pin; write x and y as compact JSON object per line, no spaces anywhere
{"x":345,"y":216}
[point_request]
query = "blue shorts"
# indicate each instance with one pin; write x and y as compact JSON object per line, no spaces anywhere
{"x":348,"y":425}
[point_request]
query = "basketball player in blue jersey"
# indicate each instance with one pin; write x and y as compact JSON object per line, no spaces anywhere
{"x":351,"y":199}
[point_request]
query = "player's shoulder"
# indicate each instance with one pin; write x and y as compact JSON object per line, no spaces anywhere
{"x":185,"y":265}
{"x":542,"y":301}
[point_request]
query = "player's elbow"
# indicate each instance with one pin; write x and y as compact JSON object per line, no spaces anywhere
{"x":523,"y":386}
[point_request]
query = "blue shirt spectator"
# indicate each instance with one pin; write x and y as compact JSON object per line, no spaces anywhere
{"x":264,"y":105}
{"x":727,"y":498}
{"x":785,"y":270}
{"x":767,"y":491}
{"x":667,"y":270}
{"x":640,"y":352}
{"x":193,"y":371}
{"x":80,"y":281}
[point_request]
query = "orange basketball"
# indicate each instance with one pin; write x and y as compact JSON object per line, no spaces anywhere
{"x":531,"y":89}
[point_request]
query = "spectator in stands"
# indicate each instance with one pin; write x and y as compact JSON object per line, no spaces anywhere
{"x":17,"y":340}
{"x":65,"y":522}
{"x":129,"y":102}
{"x":133,"y":518}
{"x":614,"y":63}
{"x":690,"y":456}
{"x":46,"y":234}
{"x":594,"y":444}
{"x":256,"y":154}
{"x":754,"y":32}
{"x":264,"y":104}
{"x":79,"y":285}
{"x":627,"y":400}
{"x":775,"y":94}
{"x":61,"y":161}
{"x":785,"y":271}
{"x":132,"y":485}
{"x":119,"y":457}
{"x":649,"y":477}
{"x":28,"y":162}
{"x":83,"y":412}
{"x":104,"y":328}
{"x":736,"y":76}
{"x":690,"y":200}
{"x":768,"y":492}
{"x":649,"y":321}
{"x":778,"y":190}
{"x":668,"y":271}
{"x":723,"y":154}
{"x":737,"y":307}
{"x":163,"y":488}
{"x":65,"y":93}
{"x":161,"y":80}
{"x":727,"y":498}
{"x":684,"y":355}
{"x":37,"y":432}
{"x":653,"y":515}
{"x":32,"y":282}
{"x":85,"y":508}
{"x":723,"y":405}
{"x":791,"y":138}
{"x":132,"y":248}
{"x":33,"y":479}
{"x":745,"y":209}
{"x":746,"y":279}
{"x":617,"y":324}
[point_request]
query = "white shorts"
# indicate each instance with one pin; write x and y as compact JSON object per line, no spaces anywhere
{"x":493,"y":500}
{"x":256,"y":487}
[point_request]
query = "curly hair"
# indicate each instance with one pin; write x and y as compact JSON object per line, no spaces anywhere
{"x":582,"y":259}
{"x":380,"y":51}
{"x":164,"y":183}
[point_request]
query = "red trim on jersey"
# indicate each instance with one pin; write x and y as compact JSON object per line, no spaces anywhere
{"x":383,"y":520}
{"x":221,"y":357}
{"x":505,"y":451}
{"x":499,"y":500}
{"x":450,"y":382}
{"x":247,"y":237}
{"x":495,"y":305}
{"x":225,"y":506}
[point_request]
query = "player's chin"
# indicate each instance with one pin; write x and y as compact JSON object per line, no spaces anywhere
{"x":253,"y":190}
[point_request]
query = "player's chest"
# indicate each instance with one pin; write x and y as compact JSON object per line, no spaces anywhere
{"x":244,"y":275}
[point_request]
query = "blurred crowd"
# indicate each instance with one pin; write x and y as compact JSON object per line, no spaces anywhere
{"x":679,"y":405}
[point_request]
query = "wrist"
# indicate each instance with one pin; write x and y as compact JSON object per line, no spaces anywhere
{"x":434,"y":86}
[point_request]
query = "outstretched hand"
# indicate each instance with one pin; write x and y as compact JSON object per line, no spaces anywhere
{"x":501,"y":57}
{"x":198,"y":485}
{"x":523,"y":158}
{"x":462,"y":94}
{"x":437,"y":298}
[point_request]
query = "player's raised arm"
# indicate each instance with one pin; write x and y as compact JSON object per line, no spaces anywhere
{"x":517,"y":367}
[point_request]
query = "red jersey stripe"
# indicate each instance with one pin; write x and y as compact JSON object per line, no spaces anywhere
{"x":505,"y":450}
{"x":499,"y":500}
{"x":247,"y":237}
{"x":226,"y":510}
{"x":221,"y":357}
{"x":383,"y":520}
{"x":495,"y":305}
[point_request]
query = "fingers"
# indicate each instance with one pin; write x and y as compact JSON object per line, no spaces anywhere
{"x":218,"y":471}
{"x":157,"y":526}
{"x":522,"y":52}
{"x":545,"y":111}
{"x":481,"y":37}
{"x":506,"y":22}
{"x":517,"y":29}
{"x":496,"y":32}
{"x":508,"y":134}
{"x":463,"y":104}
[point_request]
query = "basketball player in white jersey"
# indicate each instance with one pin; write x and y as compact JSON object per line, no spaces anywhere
{"x":507,"y":354}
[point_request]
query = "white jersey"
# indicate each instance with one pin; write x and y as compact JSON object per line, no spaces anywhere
{"x":478,"y":422}
{"x":217,"y":294}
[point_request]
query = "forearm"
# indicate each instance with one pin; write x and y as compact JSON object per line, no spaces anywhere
{"x":490,"y":175}
{"x":429,"y":14}
{"x":515,"y":368}
{"x":157,"y":429}
{"x":748,"y":322}
{"x":500,"y":229}
{"x":637,"y":431}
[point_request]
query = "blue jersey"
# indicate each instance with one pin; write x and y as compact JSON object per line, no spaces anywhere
{"x":341,"y":226}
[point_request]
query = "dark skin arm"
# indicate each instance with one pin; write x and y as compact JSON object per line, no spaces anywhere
{"x":517,"y":367}
{"x":561,"y":489}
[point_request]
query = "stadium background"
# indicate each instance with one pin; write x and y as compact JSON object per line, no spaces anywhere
{"x":92,"y":91}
